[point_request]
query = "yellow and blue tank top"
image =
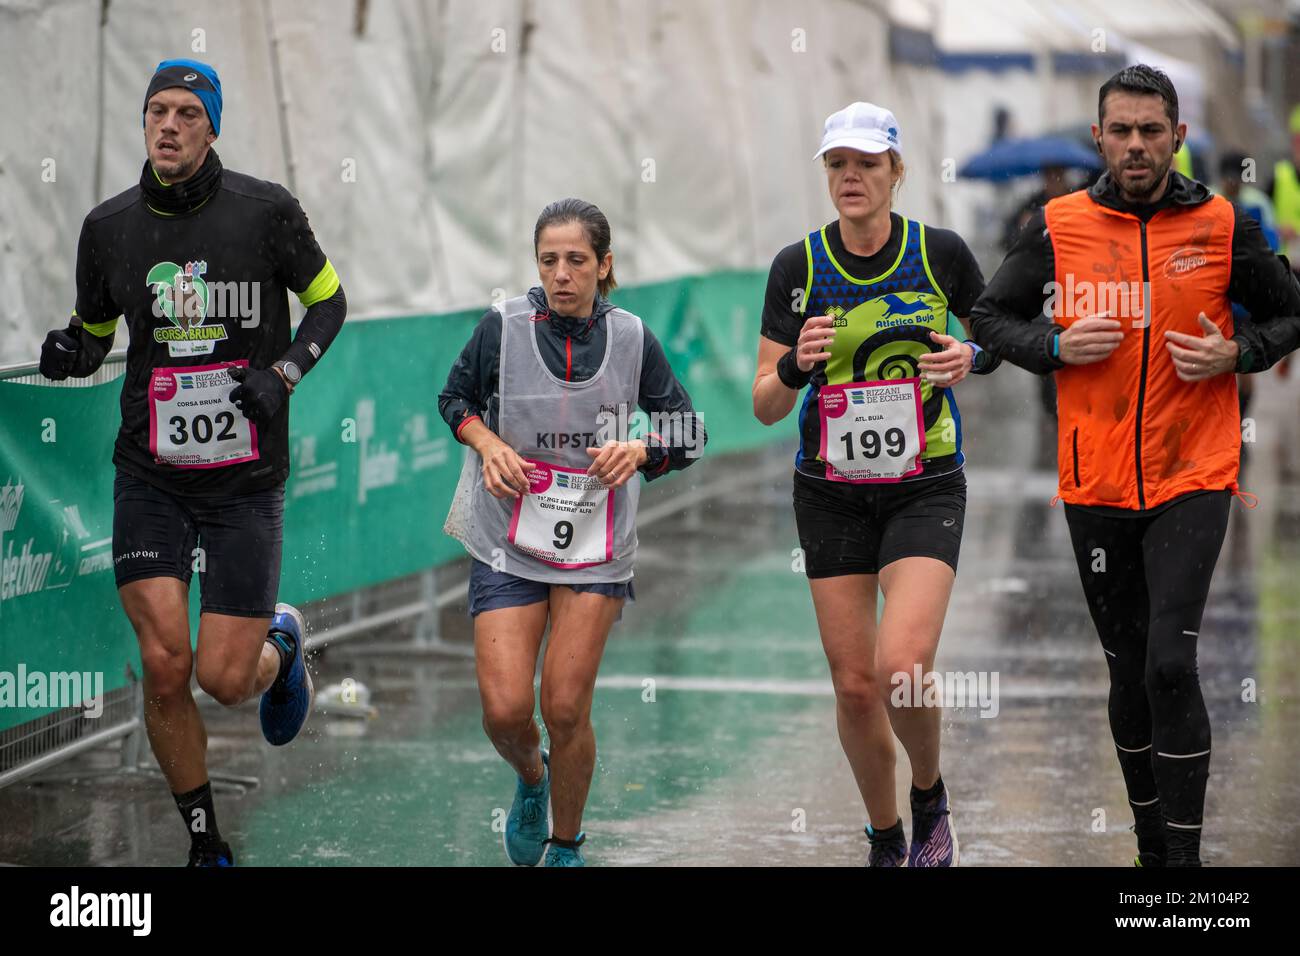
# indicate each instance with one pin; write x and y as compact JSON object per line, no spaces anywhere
{"x":883,"y":325}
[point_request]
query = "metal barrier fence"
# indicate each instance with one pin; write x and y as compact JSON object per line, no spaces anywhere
{"x":37,"y":745}
{"x":374,"y":472}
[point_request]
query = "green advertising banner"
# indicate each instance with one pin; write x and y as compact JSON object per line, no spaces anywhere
{"x":374,"y":468}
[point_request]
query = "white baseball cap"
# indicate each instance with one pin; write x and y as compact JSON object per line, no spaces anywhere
{"x":862,"y":126}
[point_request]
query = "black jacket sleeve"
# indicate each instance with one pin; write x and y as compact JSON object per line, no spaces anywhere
{"x":961,"y":282}
{"x":1004,"y":320}
{"x":96,"y":314}
{"x":1267,"y":289}
{"x":317,"y":330}
{"x":471,"y":389}
{"x":300,"y":263}
{"x":681,"y":436}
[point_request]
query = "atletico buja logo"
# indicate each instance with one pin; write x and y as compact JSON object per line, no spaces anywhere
{"x":182,"y":296}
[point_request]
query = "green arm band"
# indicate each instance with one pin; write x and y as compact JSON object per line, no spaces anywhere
{"x":322,"y":287}
{"x":101,"y":329}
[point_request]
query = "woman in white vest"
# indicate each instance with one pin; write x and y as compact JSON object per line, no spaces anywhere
{"x":543,"y":394}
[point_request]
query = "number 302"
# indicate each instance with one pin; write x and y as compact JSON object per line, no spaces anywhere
{"x":201,"y":428}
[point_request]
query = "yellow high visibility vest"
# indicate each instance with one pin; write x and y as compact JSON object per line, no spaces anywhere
{"x":1286,"y":202}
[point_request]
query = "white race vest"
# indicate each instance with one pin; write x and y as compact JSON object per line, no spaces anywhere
{"x":568,"y":528}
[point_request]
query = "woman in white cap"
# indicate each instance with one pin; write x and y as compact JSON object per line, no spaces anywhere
{"x":859,"y":317}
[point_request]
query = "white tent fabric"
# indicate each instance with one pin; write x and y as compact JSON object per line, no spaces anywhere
{"x":424,"y":144}
{"x":49,"y":113}
{"x":1018,"y":25}
{"x":423,"y":137}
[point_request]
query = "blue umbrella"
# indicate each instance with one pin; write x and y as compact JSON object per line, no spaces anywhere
{"x":1010,"y":158}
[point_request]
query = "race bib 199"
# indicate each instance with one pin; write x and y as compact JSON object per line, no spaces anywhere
{"x":566,"y":519}
{"x":193,"y":423}
{"x":872,"y":431}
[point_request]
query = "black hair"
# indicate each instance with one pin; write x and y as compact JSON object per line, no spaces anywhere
{"x":594,"y":225}
{"x":1142,"y":79}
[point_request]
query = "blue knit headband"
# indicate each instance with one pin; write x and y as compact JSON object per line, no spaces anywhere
{"x":199,"y":78}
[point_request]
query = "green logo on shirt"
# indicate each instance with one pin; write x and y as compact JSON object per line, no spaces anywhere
{"x":181,"y":296}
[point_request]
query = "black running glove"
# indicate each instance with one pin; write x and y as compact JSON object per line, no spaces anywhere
{"x":59,"y":353}
{"x":259,"y":394}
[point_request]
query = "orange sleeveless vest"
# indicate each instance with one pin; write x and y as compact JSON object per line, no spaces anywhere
{"x":1131,"y":433}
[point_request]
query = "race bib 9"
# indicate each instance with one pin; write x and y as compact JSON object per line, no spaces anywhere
{"x":872,"y":431}
{"x":566,"y":519}
{"x":193,"y":423}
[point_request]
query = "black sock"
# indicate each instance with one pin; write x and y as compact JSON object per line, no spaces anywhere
{"x":928,"y":796}
{"x":1149,"y":825}
{"x":286,"y":656}
{"x":894,"y":834}
{"x":199,"y":816}
{"x":1183,"y":847}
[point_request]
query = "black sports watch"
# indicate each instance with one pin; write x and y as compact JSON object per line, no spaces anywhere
{"x":292,"y":373}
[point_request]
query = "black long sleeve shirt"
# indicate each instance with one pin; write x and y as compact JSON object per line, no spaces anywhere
{"x":249,"y":245}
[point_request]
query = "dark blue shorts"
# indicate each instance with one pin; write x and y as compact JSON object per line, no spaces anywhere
{"x":491,"y":590}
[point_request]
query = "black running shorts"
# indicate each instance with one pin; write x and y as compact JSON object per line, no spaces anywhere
{"x":233,"y":541}
{"x":858,"y":529}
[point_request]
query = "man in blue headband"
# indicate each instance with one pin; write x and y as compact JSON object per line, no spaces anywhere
{"x":190,"y":92}
{"x":200,"y":260}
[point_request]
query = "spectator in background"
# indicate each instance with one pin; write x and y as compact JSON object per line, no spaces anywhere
{"x":1255,"y":203}
{"x":1250,"y":199}
{"x":1285,"y":190}
{"x":1056,"y":182}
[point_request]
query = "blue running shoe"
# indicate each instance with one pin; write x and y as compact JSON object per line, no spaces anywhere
{"x":529,"y":823}
{"x":565,"y":852}
{"x":287,"y":702}
{"x":216,"y":855}
{"x":934,"y":840}
{"x":886,"y":851}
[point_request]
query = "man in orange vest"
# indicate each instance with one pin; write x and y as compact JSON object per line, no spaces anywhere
{"x":1137,"y":273}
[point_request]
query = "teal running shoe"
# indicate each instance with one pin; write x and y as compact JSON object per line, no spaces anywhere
{"x":565,"y":852}
{"x":529,"y":823}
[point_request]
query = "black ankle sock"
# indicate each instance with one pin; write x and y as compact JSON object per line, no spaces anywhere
{"x":1149,"y":825}
{"x":894,"y":834}
{"x":1183,"y":847}
{"x":928,"y":796}
{"x":199,"y":816}
{"x":286,"y":657}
